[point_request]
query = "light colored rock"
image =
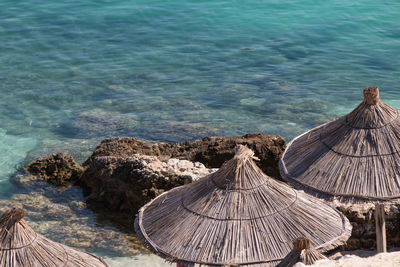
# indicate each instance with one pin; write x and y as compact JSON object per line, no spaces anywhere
{"x":195,"y":170}
{"x":173,"y":167}
{"x":126,"y":184}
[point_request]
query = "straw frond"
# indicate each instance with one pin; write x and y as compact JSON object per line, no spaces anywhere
{"x":20,"y":246}
{"x":237,"y":216}
{"x":302,"y":252}
{"x":354,"y":158}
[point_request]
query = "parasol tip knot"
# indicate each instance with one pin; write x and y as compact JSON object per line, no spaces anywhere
{"x":13,"y":215}
{"x":301,"y":243}
{"x":242,"y":152}
{"x":371,"y":95}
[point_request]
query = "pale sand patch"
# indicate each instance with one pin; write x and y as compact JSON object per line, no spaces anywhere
{"x":139,"y":261}
{"x":362,"y":258}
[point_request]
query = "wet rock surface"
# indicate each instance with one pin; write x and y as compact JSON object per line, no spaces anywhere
{"x":57,"y":169}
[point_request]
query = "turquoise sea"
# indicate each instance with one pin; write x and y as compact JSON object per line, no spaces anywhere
{"x":74,"y":72}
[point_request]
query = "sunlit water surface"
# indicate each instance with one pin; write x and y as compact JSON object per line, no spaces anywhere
{"x":74,"y":72}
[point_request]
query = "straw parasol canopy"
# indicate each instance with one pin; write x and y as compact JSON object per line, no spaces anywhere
{"x":302,"y":252}
{"x":237,"y":216}
{"x":355,"y":159}
{"x":20,"y":246}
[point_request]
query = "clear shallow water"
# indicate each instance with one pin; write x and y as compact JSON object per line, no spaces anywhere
{"x":74,"y":72}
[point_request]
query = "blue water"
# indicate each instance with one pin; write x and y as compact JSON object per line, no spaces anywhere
{"x":74,"y":72}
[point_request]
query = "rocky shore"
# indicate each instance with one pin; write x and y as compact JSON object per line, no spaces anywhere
{"x":122,"y":174}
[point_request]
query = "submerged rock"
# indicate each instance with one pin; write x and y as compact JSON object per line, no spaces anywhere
{"x":79,"y":149}
{"x":61,"y":214}
{"x":97,"y":122}
{"x":57,"y":169}
{"x":173,"y":131}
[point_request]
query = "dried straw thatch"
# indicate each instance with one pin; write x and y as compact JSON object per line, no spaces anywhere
{"x":355,"y":158}
{"x":302,"y":252}
{"x":237,"y":216}
{"x":20,"y":246}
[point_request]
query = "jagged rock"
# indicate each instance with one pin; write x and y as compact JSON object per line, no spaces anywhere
{"x":362,"y":218}
{"x":124,"y":173}
{"x":123,"y":148}
{"x":57,"y":169}
{"x":125,"y":184}
{"x":353,"y":243}
{"x":211,"y":151}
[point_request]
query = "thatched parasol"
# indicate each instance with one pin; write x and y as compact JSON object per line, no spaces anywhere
{"x":303,"y":252}
{"x":20,"y":246}
{"x":237,"y":216}
{"x":355,"y":158}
